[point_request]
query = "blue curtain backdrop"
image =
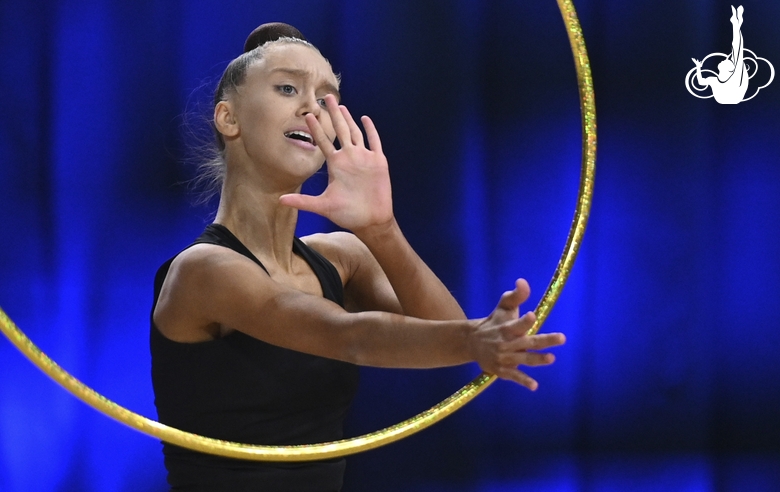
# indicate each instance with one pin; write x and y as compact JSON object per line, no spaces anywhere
{"x":669,"y":379}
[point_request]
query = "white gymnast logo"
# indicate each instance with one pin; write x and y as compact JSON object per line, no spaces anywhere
{"x":730,"y":84}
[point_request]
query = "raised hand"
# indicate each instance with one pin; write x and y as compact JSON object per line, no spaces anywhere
{"x":358,"y":195}
{"x":501,"y":344}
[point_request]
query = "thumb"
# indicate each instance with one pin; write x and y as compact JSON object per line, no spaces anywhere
{"x":512,"y":299}
{"x":307,"y":203}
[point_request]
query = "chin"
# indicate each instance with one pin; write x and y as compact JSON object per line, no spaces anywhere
{"x":306,"y":170}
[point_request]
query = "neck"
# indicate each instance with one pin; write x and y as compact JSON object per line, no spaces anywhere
{"x":256,"y":218}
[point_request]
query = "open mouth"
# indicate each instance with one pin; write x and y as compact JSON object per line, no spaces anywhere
{"x":299,"y":135}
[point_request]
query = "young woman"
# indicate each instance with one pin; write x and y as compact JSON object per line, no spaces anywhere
{"x":256,"y":334}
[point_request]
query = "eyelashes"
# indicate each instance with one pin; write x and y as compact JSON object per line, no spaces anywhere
{"x":290,"y":90}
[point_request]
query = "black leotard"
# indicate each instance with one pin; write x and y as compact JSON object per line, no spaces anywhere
{"x":239,"y":388}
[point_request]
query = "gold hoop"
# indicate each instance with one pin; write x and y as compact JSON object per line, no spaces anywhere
{"x":308,"y":452}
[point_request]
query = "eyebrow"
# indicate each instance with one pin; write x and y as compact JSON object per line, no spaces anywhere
{"x":297,"y":72}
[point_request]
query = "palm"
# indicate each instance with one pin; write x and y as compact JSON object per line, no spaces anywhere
{"x":358,"y":194}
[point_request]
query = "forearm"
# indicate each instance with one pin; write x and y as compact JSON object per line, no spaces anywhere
{"x":391,"y":340}
{"x":370,"y":338}
{"x":219,"y":288}
{"x":419,"y":291}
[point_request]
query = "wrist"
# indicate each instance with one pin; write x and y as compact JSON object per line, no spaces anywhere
{"x":378,"y":233}
{"x":470,"y":342}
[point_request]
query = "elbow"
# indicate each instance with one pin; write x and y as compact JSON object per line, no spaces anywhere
{"x":365,"y":339}
{"x":351,"y":343}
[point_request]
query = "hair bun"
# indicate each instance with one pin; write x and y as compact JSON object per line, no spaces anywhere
{"x":271,"y":32}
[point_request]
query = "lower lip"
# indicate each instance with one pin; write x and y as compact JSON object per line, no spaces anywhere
{"x":302,"y":144}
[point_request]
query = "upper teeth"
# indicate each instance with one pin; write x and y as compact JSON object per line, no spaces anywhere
{"x":300,"y":134}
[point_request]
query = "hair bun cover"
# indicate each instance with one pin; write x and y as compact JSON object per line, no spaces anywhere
{"x":271,"y":32}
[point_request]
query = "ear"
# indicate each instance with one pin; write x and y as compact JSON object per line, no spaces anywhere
{"x":225,"y":119}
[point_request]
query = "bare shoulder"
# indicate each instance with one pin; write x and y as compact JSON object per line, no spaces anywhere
{"x":201,"y":282}
{"x":343,"y":249}
{"x":202,"y":264}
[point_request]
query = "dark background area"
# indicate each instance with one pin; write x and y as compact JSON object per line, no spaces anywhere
{"x":669,"y":379}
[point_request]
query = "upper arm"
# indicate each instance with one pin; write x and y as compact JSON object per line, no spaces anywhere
{"x":209,"y":285}
{"x":366,"y":287}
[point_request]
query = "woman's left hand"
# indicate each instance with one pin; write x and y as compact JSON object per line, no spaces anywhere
{"x":358,"y":195}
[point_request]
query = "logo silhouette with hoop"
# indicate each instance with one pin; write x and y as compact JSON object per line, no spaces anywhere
{"x":730,"y":84}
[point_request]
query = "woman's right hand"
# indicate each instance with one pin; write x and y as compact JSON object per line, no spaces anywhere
{"x":358,"y":196}
{"x":500,"y":343}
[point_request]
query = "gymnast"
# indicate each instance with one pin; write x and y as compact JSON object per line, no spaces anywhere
{"x":256,"y":334}
{"x":731,"y":84}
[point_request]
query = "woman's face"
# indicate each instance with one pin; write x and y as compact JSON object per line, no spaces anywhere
{"x":290,"y":81}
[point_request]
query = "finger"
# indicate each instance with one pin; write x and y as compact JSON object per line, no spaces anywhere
{"x":371,"y":134}
{"x":507,"y":308}
{"x":519,"y":377}
{"x":535,"y":342}
{"x":354,"y":130}
{"x":517,"y":328}
{"x":308,"y":203}
{"x":512,"y":299}
{"x":337,"y":118}
{"x":521,"y":285}
{"x":530,"y":359}
{"x":321,"y":139}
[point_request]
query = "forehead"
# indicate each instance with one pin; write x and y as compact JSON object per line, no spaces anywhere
{"x":298,"y":58}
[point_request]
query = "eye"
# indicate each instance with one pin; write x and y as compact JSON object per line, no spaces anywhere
{"x":321,"y":102}
{"x":286,"y":89}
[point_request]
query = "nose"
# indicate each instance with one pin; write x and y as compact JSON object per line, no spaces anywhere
{"x":310,"y":106}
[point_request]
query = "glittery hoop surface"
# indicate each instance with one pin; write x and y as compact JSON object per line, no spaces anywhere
{"x":408,"y":427}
